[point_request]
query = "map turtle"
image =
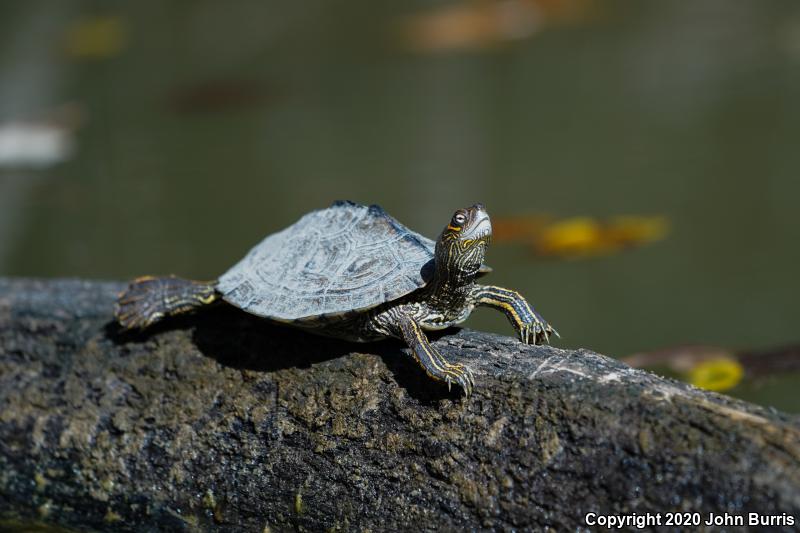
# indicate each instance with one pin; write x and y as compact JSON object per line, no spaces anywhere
{"x":354,"y":272}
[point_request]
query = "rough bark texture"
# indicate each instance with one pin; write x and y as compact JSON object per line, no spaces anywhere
{"x":221,"y":421}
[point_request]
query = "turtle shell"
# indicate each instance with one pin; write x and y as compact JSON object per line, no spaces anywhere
{"x":348,"y":257}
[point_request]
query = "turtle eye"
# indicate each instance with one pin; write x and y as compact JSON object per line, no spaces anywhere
{"x":459,"y":218}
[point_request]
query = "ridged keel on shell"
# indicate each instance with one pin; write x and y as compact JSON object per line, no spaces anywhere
{"x":348,"y":257}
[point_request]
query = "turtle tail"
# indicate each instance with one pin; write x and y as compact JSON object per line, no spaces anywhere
{"x":148,"y":299}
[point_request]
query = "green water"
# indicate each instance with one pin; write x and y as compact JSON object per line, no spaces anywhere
{"x":686,"y":109}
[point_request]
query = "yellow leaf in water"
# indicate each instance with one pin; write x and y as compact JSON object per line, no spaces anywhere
{"x":632,"y":230}
{"x":579,"y":236}
{"x":717,"y":374}
{"x":98,"y":37}
{"x":583,"y":236}
{"x":570,"y":237}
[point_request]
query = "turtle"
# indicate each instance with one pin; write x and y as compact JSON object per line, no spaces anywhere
{"x":354,"y":272}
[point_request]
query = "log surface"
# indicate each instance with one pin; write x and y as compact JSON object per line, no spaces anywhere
{"x":223,"y":422}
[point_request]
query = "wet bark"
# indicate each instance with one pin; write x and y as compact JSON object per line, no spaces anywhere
{"x":221,"y":421}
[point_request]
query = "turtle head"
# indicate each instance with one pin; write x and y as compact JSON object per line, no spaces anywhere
{"x":462,"y":245}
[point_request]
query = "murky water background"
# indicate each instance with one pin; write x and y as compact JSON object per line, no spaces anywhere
{"x":200,"y":127}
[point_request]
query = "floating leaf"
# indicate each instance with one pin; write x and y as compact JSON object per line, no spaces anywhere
{"x":43,"y":141}
{"x":571,"y":237}
{"x":635,"y":230}
{"x":94,"y":38}
{"x":580,"y":236}
{"x":219,"y":95}
{"x":485,"y":23}
{"x":715,"y":367}
{"x":717,"y":374}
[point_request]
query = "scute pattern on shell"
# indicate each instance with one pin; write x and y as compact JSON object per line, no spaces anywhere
{"x":348,"y":257}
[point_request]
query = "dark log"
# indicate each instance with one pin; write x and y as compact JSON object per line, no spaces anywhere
{"x":221,"y":421}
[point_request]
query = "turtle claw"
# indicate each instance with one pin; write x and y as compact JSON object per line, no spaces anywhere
{"x":537,"y":331}
{"x":434,"y":363}
{"x":463,"y":376}
{"x":471,"y":379}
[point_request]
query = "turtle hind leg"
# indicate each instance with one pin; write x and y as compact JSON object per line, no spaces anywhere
{"x":148,"y":299}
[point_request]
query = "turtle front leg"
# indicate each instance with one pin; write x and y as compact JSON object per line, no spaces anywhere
{"x":428,"y":357}
{"x":530,"y":326}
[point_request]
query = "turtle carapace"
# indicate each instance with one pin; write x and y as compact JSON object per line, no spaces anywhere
{"x":355,"y":273}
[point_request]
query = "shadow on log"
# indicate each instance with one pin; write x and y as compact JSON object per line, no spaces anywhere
{"x":221,"y":421}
